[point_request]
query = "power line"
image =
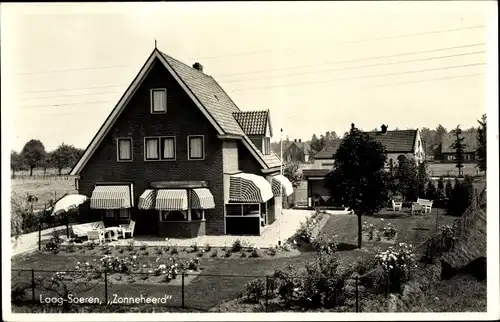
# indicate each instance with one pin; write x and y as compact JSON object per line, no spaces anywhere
{"x":75,"y":69}
{"x":64,"y":104}
{"x":68,"y":95}
{"x":72,"y":89}
{"x":277,"y":69}
{"x":353,"y":60}
{"x":341,"y":43}
{"x":362,"y":77}
{"x":356,"y":67}
{"x":426,"y":80}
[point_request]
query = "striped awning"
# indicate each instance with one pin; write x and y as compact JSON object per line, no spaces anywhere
{"x":147,"y":199}
{"x":246,"y":187}
{"x":171,"y":199}
{"x":280,"y":180}
{"x":110,"y":197}
{"x":202,"y":198}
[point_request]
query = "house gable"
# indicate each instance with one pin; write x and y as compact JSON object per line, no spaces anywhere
{"x":219,"y":107}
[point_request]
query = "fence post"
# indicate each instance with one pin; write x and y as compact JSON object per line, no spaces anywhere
{"x":437,"y":216}
{"x":386,"y":284}
{"x":33,"y":285}
{"x":106,"y":286}
{"x":182,"y":298}
{"x":267,"y":291}
{"x":39,"y":236}
{"x":357,"y":295}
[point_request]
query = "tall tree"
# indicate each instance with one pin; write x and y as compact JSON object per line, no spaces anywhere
{"x":33,"y":153}
{"x":440,"y":131}
{"x":448,"y":189}
{"x":422,"y":179}
{"x":459,"y":147}
{"x":293,"y":173}
{"x":481,"y":148}
{"x":440,"y":195}
{"x":64,"y":156}
{"x":405,"y":179}
{"x":16,"y":162}
{"x":358,"y":179}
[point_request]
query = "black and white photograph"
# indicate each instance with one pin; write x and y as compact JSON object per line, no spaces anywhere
{"x":316,"y":160}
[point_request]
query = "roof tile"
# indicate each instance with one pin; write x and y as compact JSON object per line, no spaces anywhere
{"x":252,"y":122}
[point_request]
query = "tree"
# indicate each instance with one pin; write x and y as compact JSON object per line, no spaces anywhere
{"x":358,"y":179}
{"x":293,"y":173}
{"x":422,"y":179}
{"x":440,"y":131}
{"x":459,"y":147}
{"x":431,"y":191}
{"x":448,"y":189}
{"x":481,"y":148}
{"x":16,"y":162}
{"x":405,"y":178}
{"x":461,"y":196}
{"x":440,"y":195}
{"x":33,"y":153}
{"x":64,"y":156}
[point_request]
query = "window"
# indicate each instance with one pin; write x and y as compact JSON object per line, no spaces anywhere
{"x":197,"y":214}
{"x":159,"y":148}
{"x":124,"y":147}
{"x":117,"y":214}
{"x":243,"y":209}
{"x":173,"y":215}
{"x":267,"y":146}
{"x":159,"y":100}
{"x":196,"y":147}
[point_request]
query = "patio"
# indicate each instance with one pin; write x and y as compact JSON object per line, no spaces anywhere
{"x":283,"y":228}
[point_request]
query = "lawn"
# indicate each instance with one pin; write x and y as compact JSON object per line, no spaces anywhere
{"x":44,"y":190}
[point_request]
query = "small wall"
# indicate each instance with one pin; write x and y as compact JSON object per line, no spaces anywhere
{"x":181,"y":229}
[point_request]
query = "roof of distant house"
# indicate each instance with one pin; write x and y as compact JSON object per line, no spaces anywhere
{"x":397,"y":141}
{"x":328,"y":150}
{"x":470,"y":141}
{"x":303,"y":146}
{"x":252,"y":122}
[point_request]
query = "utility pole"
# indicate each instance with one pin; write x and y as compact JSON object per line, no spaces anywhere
{"x":281,"y":187}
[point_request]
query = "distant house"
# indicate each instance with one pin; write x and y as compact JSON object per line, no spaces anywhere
{"x":177,"y":156}
{"x":446,"y":154}
{"x":296,"y":151}
{"x":398,"y":143}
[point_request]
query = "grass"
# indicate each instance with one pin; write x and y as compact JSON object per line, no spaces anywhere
{"x":44,"y":190}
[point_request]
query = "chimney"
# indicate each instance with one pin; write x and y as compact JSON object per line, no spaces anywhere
{"x":384,"y":128}
{"x":295,"y":140}
{"x":198,"y":66}
{"x":300,"y":140}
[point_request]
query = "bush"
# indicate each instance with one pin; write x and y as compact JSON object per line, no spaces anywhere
{"x":130,"y":245}
{"x":54,"y":244}
{"x":254,"y":252}
{"x":227,"y":254}
{"x":461,"y":197}
{"x":243,"y":254}
{"x":369,"y":229}
{"x":272,"y":251}
{"x":174,"y":251}
{"x":236,"y":247}
{"x":255,"y":290}
{"x":286,"y":283}
{"x":193,"y":264}
{"x":397,"y":263}
{"x":214,"y":253}
{"x":207,"y":247}
{"x":324,"y":243}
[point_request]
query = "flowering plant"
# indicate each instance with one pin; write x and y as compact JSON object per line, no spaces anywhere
{"x":370,"y":229}
{"x":397,"y":263}
{"x":389,"y":231}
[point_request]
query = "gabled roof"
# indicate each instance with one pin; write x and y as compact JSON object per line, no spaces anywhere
{"x":205,"y":92}
{"x":303,"y":146}
{"x":470,"y":141}
{"x":328,"y":150}
{"x":399,"y":141}
{"x":252,"y":122}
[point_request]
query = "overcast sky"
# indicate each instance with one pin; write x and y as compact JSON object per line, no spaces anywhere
{"x":316,"y":66}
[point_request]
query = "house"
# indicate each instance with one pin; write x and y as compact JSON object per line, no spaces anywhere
{"x":178,"y":156}
{"x":398,"y":143}
{"x":446,"y":154}
{"x":296,"y":151}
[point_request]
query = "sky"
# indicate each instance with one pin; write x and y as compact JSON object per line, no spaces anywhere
{"x":316,"y":66}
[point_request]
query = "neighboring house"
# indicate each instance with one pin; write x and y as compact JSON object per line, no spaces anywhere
{"x":296,"y":151}
{"x":177,"y":156}
{"x":446,"y":154}
{"x":397,"y":143}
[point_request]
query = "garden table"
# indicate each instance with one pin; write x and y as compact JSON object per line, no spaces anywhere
{"x":113,"y":232}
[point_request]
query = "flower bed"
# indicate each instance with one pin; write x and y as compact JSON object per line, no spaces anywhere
{"x":384,"y":233}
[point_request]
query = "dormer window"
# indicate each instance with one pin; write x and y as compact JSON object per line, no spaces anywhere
{"x":158,"y":101}
{"x":266,"y":146}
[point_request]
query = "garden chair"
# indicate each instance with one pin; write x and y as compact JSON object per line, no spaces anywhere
{"x":397,"y":205}
{"x":128,"y":229}
{"x":426,"y":205}
{"x":416,"y":208}
{"x":96,"y":235}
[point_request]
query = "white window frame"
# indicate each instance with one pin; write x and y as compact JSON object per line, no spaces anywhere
{"x":151,"y":104}
{"x":202,"y":147}
{"x":118,"y":149}
{"x":160,"y":150}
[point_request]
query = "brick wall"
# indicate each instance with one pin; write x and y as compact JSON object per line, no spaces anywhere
{"x":181,"y":229}
{"x":230,"y":156}
{"x":247,"y":162}
{"x":182,"y":119}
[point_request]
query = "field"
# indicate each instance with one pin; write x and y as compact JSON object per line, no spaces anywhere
{"x":44,"y":190}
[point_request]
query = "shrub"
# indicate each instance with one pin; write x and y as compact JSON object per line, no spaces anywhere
{"x":208,"y":247}
{"x":255,"y":290}
{"x":286,"y":283}
{"x":121,"y":250}
{"x":90,"y":245}
{"x":158,"y":251}
{"x":369,"y":229}
{"x":243,"y":254}
{"x":54,"y":244}
{"x":194,"y":248}
{"x":461,"y":197}
{"x":236,"y":247}
{"x":174,"y":251}
{"x":397,"y":263}
{"x":227,"y":253}
{"x":200,"y":254}
{"x":272,"y":251}
{"x":130,"y":245}
{"x":193,"y":264}
{"x":324,"y":243}
{"x":71,"y":247}
{"x":143,"y":247}
{"x":214,"y":253}
{"x":254,"y":252}
{"x":389,"y":231}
